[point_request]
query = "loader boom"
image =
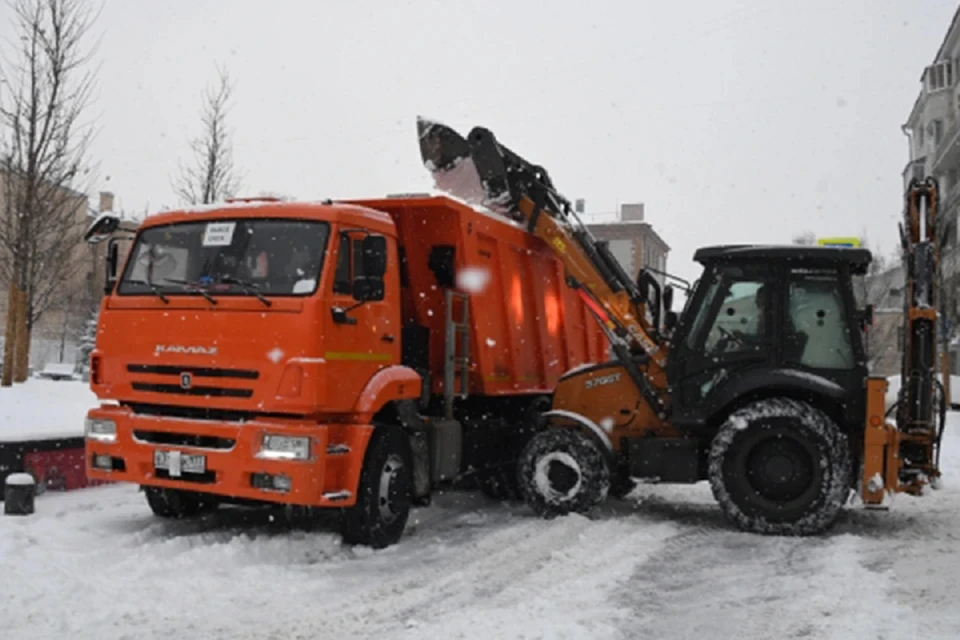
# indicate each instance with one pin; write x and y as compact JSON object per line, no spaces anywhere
{"x":523,"y":192}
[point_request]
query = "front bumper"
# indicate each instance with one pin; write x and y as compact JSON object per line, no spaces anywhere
{"x":232,"y":467}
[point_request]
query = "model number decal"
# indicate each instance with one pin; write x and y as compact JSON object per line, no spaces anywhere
{"x":602,"y":380}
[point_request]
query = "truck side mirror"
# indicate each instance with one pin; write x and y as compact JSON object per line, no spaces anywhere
{"x":366,"y":289}
{"x":113,"y":257}
{"x":374,"y":250}
{"x":670,"y":321}
{"x":667,"y":298}
{"x":866,"y":316}
{"x":101,"y":228}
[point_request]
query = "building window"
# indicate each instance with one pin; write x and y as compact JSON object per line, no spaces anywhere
{"x":935,"y":131}
{"x":939,"y":76}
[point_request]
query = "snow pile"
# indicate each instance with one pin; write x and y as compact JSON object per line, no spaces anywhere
{"x":38,"y":409}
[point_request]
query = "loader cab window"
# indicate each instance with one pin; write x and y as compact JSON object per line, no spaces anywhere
{"x":733,"y":316}
{"x":817,"y":333}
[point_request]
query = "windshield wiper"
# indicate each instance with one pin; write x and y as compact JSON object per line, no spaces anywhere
{"x":153,"y":288}
{"x":194,"y":286}
{"x":247,"y":286}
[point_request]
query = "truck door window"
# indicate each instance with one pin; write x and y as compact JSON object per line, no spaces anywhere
{"x":349,"y":264}
{"x":817,"y":334}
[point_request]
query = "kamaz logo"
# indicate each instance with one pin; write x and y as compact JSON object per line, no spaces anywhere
{"x":602,"y":380}
{"x":191,"y":349}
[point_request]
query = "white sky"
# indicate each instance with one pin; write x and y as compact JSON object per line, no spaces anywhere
{"x":734,"y":121}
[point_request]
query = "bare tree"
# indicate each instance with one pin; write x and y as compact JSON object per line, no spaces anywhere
{"x":45,"y":142}
{"x":211,"y":176}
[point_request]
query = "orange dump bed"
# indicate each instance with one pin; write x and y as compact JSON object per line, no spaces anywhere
{"x":526,"y":326}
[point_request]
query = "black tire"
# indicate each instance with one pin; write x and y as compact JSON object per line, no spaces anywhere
{"x":780,"y":467}
{"x":563,"y":471}
{"x":176,"y":503}
{"x":384,"y":494}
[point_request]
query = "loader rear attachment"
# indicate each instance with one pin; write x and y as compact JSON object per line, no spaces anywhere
{"x":904,"y":456}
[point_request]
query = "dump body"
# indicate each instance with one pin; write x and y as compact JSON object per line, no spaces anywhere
{"x":526,"y":326}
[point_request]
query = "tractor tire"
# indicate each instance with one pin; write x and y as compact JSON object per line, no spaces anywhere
{"x":384,"y":494}
{"x":780,"y":467}
{"x":176,"y":503}
{"x":563,"y":471}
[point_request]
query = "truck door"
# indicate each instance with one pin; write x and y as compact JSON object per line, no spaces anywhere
{"x":363,"y":333}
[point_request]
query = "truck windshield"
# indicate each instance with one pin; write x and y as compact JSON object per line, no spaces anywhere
{"x":227,"y":257}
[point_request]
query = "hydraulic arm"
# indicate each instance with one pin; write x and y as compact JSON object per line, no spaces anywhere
{"x":490,"y":174}
{"x":920,"y":417}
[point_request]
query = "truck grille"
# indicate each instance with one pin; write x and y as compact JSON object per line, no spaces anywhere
{"x":211,"y":392}
{"x":199,"y":372}
{"x":184,"y":439}
{"x":196,"y":374}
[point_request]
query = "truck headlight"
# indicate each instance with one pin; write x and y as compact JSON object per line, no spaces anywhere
{"x":99,"y":429}
{"x":285,"y":447}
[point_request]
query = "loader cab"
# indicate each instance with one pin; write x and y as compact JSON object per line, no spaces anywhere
{"x":770,"y":319}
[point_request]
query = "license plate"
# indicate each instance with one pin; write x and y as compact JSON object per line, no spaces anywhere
{"x":177,"y":463}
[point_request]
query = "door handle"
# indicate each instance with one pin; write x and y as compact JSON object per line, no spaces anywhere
{"x":387,"y":337}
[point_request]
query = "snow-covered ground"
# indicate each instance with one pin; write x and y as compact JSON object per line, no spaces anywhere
{"x":665,"y":564}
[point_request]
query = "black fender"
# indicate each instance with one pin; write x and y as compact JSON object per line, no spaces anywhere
{"x":764,"y":382}
{"x":586,"y":426}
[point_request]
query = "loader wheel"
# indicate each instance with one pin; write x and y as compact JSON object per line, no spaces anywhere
{"x":175,"y":503}
{"x":780,"y":467}
{"x":384,"y":494}
{"x":563,"y":471}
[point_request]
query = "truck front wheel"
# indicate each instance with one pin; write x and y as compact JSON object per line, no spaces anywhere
{"x":780,"y":466}
{"x":385,"y":492}
{"x":563,"y":471}
{"x":175,"y":503}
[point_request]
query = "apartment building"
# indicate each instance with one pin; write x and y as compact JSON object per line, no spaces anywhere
{"x":633,"y":240}
{"x":54,"y":336}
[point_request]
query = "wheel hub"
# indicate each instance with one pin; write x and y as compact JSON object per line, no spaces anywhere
{"x":389,"y":510}
{"x":558,"y":476}
{"x":780,"y":469}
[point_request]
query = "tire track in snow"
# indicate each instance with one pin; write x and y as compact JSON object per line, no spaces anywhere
{"x":501,"y":580}
{"x":711,"y":581}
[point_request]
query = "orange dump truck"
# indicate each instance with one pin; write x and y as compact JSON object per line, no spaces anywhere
{"x":343,"y":355}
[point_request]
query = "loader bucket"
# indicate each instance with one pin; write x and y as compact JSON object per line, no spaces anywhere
{"x":452,"y":161}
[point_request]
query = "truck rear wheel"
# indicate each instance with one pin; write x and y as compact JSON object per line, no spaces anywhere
{"x":563,"y":471}
{"x":780,"y":466}
{"x":385,"y":491}
{"x":176,"y":503}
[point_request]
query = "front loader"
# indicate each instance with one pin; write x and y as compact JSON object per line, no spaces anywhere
{"x":759,"y":385}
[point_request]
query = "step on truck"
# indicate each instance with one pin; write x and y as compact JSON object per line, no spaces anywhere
{"x":344,"y":355}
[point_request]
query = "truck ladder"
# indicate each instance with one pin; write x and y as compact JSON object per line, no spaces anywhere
{"x":456,"y":366}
